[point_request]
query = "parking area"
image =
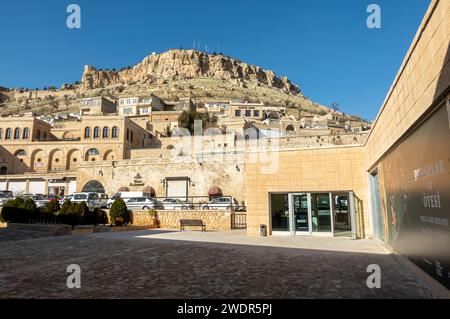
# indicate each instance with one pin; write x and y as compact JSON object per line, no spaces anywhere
{"x":169,"y":264}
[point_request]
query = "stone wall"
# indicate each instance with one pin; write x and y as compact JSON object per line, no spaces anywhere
{"x":169,"y":219}
{"x":214,"y":220}
{"x":227,"y":174}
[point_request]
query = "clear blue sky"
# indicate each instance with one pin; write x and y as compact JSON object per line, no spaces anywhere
{"x":322,"y":45}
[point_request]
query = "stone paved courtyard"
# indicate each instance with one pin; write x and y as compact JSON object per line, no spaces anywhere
{"x":164,"y":264}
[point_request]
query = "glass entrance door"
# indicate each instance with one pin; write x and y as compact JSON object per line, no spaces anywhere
{"x":300,"y":213}
{"x":321,"y":213}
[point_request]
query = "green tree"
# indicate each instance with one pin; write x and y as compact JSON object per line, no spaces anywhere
{"x":187,"y":120}
{"x":119,"y":213}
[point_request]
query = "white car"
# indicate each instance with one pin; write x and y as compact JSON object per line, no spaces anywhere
{"x":4,"y":199}
{"x":65,"y":198}
{"x":126,"y":196}
{"x":91,"y":199}
{"x":221,"y":203}
{"x":143,"y":203}
{"x":176,"y":204}
{"x":38,"y":199}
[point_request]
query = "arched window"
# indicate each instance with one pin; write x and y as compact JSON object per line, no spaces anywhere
{"x":17,"y":133}
{"x":106,"y":132}
{"x":26,"y":133}
{"x":96,"y":132}
{"x":93,"y":187}
{"x":115,"y":132}
{"x":20,"y":153}
{"x":290,"y":129}
{"x":87,"y":132}
{"x":3,"y":170}
{"x":93,"y":152}
{"x":8,"y":134}
{"x":38,"y":134}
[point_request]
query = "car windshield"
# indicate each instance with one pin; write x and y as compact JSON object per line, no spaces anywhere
{"x":80,"y":196}
{"x":38,"y":197}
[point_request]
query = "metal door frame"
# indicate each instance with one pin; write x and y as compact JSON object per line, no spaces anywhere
{"x":292,"y":215}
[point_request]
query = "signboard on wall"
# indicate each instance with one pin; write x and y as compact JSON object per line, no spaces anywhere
{"x":415,"y":196}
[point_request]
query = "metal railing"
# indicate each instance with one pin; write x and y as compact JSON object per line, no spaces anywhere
{"x":201,"y":203}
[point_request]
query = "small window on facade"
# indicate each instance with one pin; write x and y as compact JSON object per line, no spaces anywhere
{"x":255,"y":113}
{"x":96,"y":132}
{"x":87,"y":132}
{"x":26,"y":133}
{"x":237,"y":113}
{"x":106,"y":132}
{"x":1,"y":133}
{"x":115,"y":132}
{"x":17,"y":133}
{"x":248,"y":113}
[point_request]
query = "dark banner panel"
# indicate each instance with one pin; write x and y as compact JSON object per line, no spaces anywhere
{"x":415,"y":196}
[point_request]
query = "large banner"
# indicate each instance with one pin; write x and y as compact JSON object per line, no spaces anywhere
{"x":415,"y":196}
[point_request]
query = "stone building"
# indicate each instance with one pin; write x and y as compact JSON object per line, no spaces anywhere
{"x":395,"y":186}
{"x":96,"y":106}
{"x":391,"y":183}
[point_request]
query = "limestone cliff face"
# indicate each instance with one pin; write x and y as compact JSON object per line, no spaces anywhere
{"x":187,"y":64}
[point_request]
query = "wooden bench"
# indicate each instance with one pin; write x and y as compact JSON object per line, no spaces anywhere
{"x":192,"y":223}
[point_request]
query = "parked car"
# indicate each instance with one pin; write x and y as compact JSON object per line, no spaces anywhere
{"x":4,"y":199}
{"x":103,"y":200}
{"x":221,"y":203}
{"x":38,"y":199}
{"x":126,"y":196}
{"x":62,"y":200}
{"x":52,"y":197}
{"x":176,"y":204}
{"x":7,"y":194}
{"x":143,"y":203}
{"x":91,"y":199}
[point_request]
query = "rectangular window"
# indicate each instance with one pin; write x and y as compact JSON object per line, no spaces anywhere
{"x":127,"y":111}
{"x":143,"y":111}
{"x":248,"y":113}
{"x":255,"y":113}
{"x":237,"y":113}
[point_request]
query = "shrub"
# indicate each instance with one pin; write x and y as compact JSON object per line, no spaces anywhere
{"x":19,"y":211}
{"x":101,"y":217}
{"x":48,"y":213}
{"x":71,"y":214}
{"x":119,"y":213}
{"x":52,"y":207}
{"x":88,"y":217}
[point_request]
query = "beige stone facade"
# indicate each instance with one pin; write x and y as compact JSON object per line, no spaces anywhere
{"x":312,"y":164}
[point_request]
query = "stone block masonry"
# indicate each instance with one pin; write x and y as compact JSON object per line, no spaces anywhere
{"x":170,"y":219}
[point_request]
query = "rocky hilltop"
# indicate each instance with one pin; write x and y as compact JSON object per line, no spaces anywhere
{"x":187,"y":64}
{"x":170,"y":75}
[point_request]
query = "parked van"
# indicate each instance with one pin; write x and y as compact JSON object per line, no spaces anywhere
{"x":126,"y":196}
{"x":92,"y":200}
{"x":103,"y":198}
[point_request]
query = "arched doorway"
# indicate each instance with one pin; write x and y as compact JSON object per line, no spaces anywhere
{"x":93,"y":187}
{"x":290,"y":129}
{"x":3,"y":170}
